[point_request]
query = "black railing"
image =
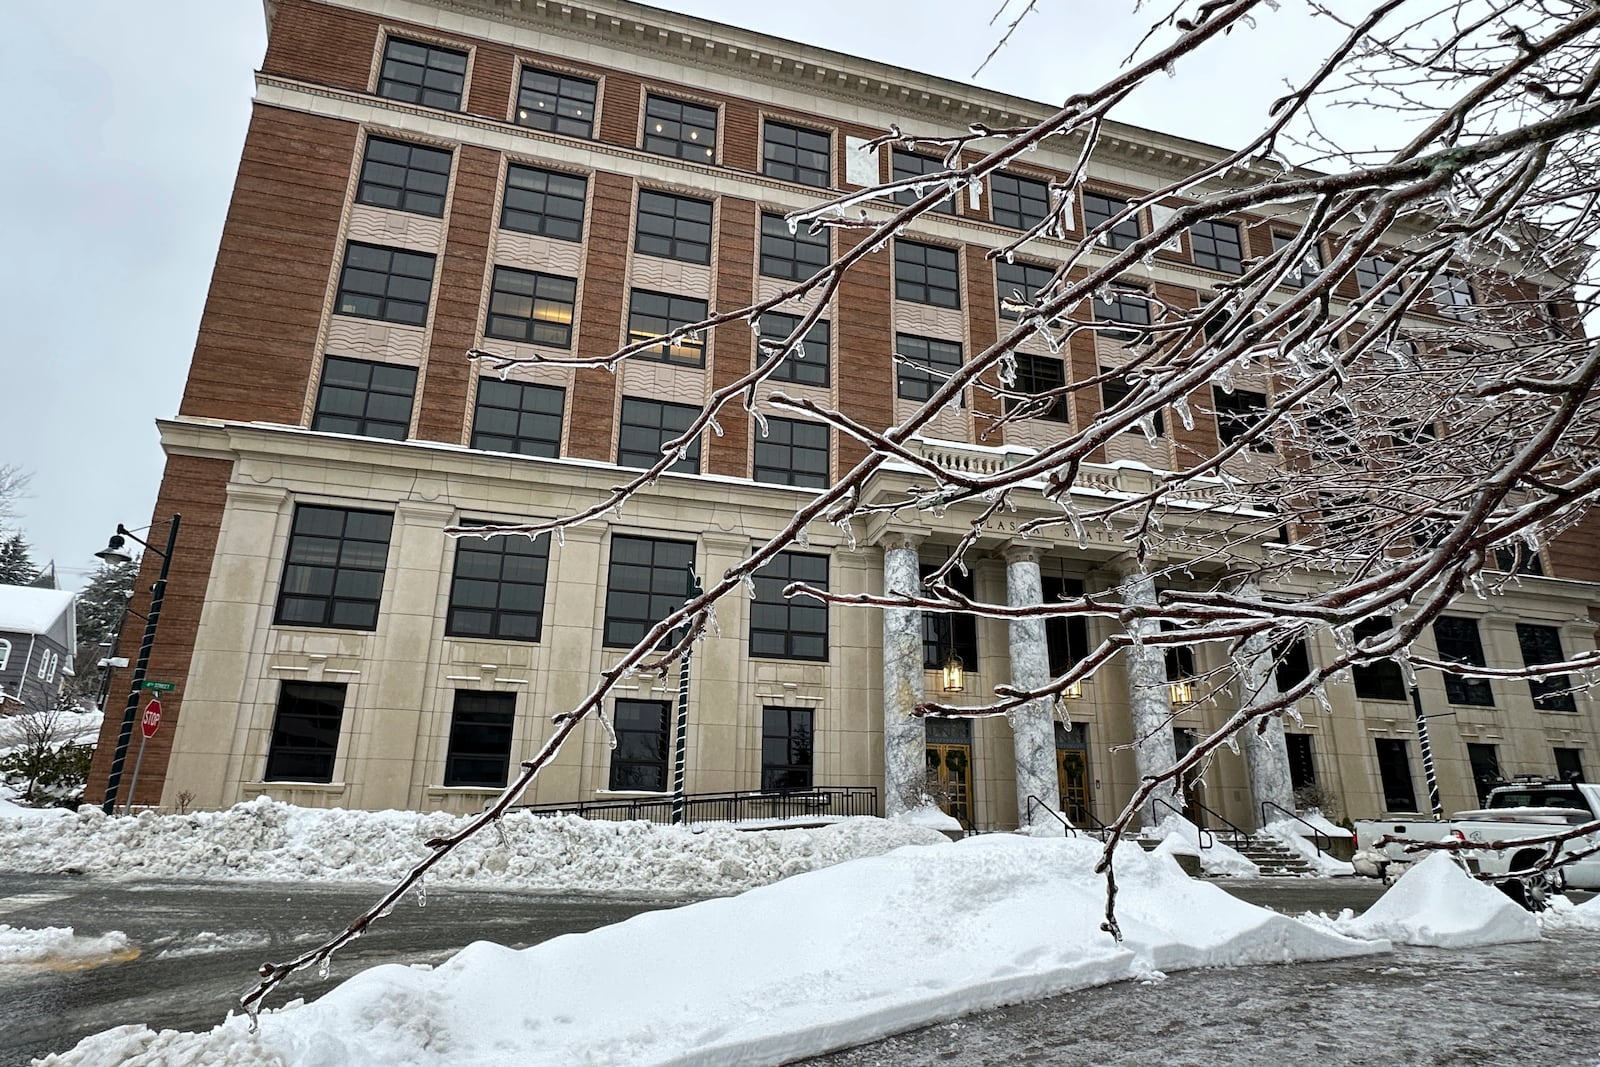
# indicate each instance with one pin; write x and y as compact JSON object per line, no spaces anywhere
{"x":1052,"y":812}
{"x":1239,"y":836}
{"x":1203,"y":837}
{"x":1317,"y":836}
{"x":823,"y":801}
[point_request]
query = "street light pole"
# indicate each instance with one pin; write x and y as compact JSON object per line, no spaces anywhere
{"x":1427,"y":755}
{"x":681,"y":742}
{"x":158,"y":593}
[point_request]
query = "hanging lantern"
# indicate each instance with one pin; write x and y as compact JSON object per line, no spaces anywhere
{"x":1073,"y":690}
{"x":954,"y":673}
{"x":1182,"y":692}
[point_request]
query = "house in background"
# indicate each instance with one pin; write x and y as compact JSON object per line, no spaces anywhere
{"x":38,"y":631}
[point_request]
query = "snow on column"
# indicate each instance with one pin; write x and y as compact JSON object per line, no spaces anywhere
{"x":1148,"y":696}
{"x":1266,"y":753}
{"x":905,"y":737}
{"x":1032,"y":726}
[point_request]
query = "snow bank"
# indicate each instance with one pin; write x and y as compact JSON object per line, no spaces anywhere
{"x":269,"y":840}
{"x":55,"y":943}
{"x":1179,"y":836}
{"x":1563,"y":914}
{"x":1296,"y":837}
{"x":931,"y":816}
{"x":1437,"y":903}
{"x":814,"y":963}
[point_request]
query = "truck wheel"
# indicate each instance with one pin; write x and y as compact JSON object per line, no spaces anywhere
{"x":1524,"y":891}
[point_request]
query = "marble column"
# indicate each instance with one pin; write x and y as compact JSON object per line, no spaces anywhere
{"x":1148,"y":697}
{"x":1032,"y":725}
{"x":1266,"y":753}
{"x":905,"y":737}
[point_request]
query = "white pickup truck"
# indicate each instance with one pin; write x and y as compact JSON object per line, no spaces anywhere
{"x":1522,"y":809}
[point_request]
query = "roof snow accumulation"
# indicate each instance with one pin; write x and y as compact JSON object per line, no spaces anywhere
{"x":24,"y":609}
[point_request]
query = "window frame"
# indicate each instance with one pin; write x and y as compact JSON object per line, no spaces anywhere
{"x":945,"y":631}
{"x":906,"y":197}
{"x":544,"y":227}
{"x":660,"y":353}
{"x":907,"y":380}
{"x":1027,"y":381}
{"x":659,"y":737}
{"x":1129,"y":305}
{"x":389,"y":275}
{"x":1299,"y":277}
{"x":769,"y":586}
{"x":1449,"y":287}
{"x":673,"y":588}
{"x":773,"y":461}
{"x":552,"y":447}
{"x":1124,"y":233}
{"x":366,"y":420}
{"x":521,"y":115}
{"x":546,"y":290}
{"x":636,"y":405}
{"x":1235,"y":419}
{"x":488,"y":728}
{"x":674,"y":213}
{"x":685,"y":139}
{"x":1005,"y":286}
{"x":403,"y":189}
{"x":332,"y":599}
{"x":791,"y":368}
{"x":1016,"y":192}
{"x":1548,"y":694}
{"x":1468,"y":645}
{"x":799,"y":171}
{"x":908,"y":289}
{"x":1116,"y":388}
{"x":311,"y":746}
{"x":1372,"y":273}
{"x":473,"y":557}
{"x":1066,"y":637}
{"x":1382,"y":680}
{"x":1209,"y":252}
{"x":799,"y":748}
{"x":780,"y":254}
{"x":432,"y":50}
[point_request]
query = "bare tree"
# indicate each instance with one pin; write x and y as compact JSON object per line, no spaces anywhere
{"x":1427,"y":404}
{"x":13,"y":486}
{"x":40,"y":749}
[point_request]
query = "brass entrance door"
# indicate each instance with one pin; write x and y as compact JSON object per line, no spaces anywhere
{"x":947,"y":779}
{"x":1072,"y":778}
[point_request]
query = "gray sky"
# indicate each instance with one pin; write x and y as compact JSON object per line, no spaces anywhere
{"x":123,"y":152}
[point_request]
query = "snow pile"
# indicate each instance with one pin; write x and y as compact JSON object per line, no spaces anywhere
{"x":1436,"y":903}
{"x":264,"y":839}
{"x":795,"y":969}
{"x":931,"y":816}
{"x":54,"y":943}
{"x":1563,"y":914}
{"x":1180,"y":837}
{"x":1298,"y":838}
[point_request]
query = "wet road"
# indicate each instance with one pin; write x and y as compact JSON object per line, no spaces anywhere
{"x":201,"y":943}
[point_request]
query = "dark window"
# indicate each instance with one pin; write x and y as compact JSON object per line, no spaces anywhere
{"x":1310,"y":264}
{"x":497,"y":591}
{"x":365,"y":399}
{"x":675,"y":128}
{"x":1293,"y":666}
{"x":333,"y":572}
{"x":532,"y":308}
{"x":1381,"y":680}
{"x":1216,"y":245}
{"x":1037,"y":375}
{"x":941,"y":357}
{"x":792,"y":154}
{"x":647,"y":425}
{"x":1019,"y":283}
{"x":1239,"y":412}
{"x":1371,"y":272}
{"x":792,"y":628}
{"x":1542,"y":644}
{"x":1115,"y":389}
{"x":559,"y":103}
{"x":795,"y":256}
{"x":518,"y":417}
{"x":1454,"y":295}
{"x":1179,"y":661}
{"x":1302,"y":764}
{"x":305,"y":732}
{"x":785,"y":749}
{"x":544,"y":202}
{"x":648,"y":580}
{"x":1458,"y":642}
{"x":1066,"y":638}
{"x":1485,"y":763}
{"x":673,"y":227}
{"x":910,"y":165}
{"x":1020,"y":203}
{"x":658,"y":314}
{"x":480,"y":739}
{"x":1569,"y":764}
{"x":807,"y":364}
{"x":406,"y":177}
{"x":926,"y":274}
{"x":385,"y":283}
{"x":1121,"y":304}
{"x":640,"y":759}
{"x":1394,"y":771}
{"x":944,"y":632}
{"x":1517,"y":559}
{"x":422,"y":74}
{"x":1099,"y":210}
{"x":793,"y":453}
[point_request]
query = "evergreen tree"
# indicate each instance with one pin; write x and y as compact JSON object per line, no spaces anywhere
{"x":16,"y":561}
{"x":100,"y":610}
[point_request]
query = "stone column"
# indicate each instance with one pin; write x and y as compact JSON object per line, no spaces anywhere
{"x":1148,"y":696}
{"x":1032,"y":726}
{"x":1266,"y":753}
{"x":905,"y":737}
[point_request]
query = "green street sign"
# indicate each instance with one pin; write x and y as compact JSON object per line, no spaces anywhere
{"x":160,"y":687}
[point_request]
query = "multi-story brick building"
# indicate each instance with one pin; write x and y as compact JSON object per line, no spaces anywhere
{"x":421,"y":179}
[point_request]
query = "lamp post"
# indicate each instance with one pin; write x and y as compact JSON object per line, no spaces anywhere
{"x":681,"y":741}
{"x":113,"y":553}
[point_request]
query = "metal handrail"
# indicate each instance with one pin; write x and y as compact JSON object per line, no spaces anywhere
{"x":1238,"y":834}
{"x":1032,"y":800}
{"x":1316,"y":833}
{"x":1201,"y":833}
{"x":729,"y":806}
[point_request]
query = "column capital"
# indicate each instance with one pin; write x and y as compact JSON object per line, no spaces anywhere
{"x":900,"y":537}
{"x":1021,"y":552}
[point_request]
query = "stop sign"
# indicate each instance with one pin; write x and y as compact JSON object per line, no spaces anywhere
{"x":152,"y":718}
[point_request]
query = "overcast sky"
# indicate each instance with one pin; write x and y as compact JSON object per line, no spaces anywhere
{"x":123,"y":130}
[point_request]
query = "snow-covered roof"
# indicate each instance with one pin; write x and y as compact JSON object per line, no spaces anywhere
{"x":24,"y":609}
